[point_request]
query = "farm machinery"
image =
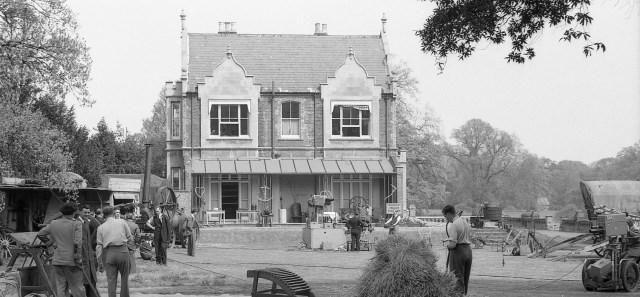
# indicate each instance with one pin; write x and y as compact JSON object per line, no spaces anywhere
{"x":616,"y":268}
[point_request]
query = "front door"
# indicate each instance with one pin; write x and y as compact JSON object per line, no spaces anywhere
{"x":230,"y":194}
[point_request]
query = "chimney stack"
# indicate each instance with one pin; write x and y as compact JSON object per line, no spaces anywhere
{"x":226,"y":27}
{"x":324,"y":29}
{"x":318,"y":29}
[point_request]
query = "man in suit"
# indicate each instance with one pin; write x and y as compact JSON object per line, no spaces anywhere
{"x":190,"y":230}
{"x":89,"y":232}
{"x":161,"y":234}
{"x":355,"y":225}
{"x":65,"y":234}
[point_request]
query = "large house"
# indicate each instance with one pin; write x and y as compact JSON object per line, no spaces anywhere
{"x":267,"y":120}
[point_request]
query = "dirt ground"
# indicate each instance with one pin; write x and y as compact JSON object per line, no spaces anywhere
{"x":332,"y":273}
{"x":220,"y":269}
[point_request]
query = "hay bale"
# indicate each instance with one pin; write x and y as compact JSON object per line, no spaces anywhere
{"x":404,"y":266}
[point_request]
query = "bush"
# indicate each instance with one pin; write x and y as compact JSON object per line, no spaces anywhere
{"x":404,"y":266}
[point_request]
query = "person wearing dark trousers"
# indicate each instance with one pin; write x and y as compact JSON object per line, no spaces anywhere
{"x":355,"y":225}
{"x":459,"y":245}
{"x":190,"y":230}
{"x":161,"y":234}
{"x":135,"y":231}
{"x":89,"y":233}
{"x":114,"y":239}
{"x":65,"y":234}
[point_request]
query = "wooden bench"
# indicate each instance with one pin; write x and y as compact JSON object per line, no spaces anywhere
{"x":289,"y":283}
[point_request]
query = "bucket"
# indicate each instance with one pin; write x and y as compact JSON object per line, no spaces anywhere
{"x":282,"y":216}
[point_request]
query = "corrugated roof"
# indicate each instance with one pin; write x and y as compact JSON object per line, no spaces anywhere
{"x":293,"y":166}
{"x":294,"y":62}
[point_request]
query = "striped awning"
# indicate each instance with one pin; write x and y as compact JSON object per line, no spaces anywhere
{"x":293,"y":166}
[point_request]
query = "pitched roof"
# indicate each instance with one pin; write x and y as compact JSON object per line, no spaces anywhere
{"x":295,"y":62}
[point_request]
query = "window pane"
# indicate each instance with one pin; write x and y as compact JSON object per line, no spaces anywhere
{"x":229,"y":129}
{"x":233,"y":111}
{"x":365,"y":126}
{"x":214,"y":127}
{"x":336,"y":112}
{"x":295,"y":110}
{"x":213,"y":113}
{"x":351,"y":131}
{"x":175,"y":110}
{"x":175,"y":129}
{"x":244,"y":111}
{"x":295,"y":127}
{"x":175,"y":178}
{"x":335,"y":127}
{"x":286,"y":127}
{"x":286,"y":110}
{"x":224,"y":111}
{"x":365,"y":114}
{"x":244,"y":127}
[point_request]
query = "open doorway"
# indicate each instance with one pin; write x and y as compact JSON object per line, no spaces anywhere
{"x":229,"y":194}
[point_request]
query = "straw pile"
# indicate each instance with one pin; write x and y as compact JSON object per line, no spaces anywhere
{"x":404,"y":266}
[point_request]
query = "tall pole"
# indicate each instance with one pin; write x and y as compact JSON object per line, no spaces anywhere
{"x":147,"y":175}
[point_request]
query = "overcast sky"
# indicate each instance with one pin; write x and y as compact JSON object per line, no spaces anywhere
{"x":561,"y":105}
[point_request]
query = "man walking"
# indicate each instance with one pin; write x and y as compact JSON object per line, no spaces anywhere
{"x":66,"y":234}
{"x":190,"y":233}
{"x":135,"y":231}
{"x":89,"y":233}
{"x":112,"y":250}
{"x":355,"y":225}
{"x":459,"y":245}
{"x":161,"y":234}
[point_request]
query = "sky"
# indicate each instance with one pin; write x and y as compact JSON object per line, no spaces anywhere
{"x":561,"y":105}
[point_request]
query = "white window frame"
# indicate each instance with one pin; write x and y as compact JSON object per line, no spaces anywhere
{"x":175,"y":130}
{"x":282,"y":119}
{"x":231,"y":102}
{"x":217,"y":185}
{"x":351,"y":103}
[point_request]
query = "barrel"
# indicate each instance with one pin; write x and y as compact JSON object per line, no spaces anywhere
{"x":492,"y":213}
{"x":296,"y":212}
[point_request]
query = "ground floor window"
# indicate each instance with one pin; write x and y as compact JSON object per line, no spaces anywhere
{"x":229,"y":196}
{"x":347,"y":186}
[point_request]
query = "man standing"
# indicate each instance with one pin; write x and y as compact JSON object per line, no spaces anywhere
{"x":89,"y":232}
{"x":66,"y":234}
{"x":112,"y":250}
{"x":633,"y":236}
{"x":161,"y":235}
{"x":190,"y":233}
{"x":99,"y":216}
{"x":459,"y":246}
{"x":355,"y":225}
{"x":135,"y":231}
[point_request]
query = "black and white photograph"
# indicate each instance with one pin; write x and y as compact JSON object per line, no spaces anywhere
{"x":248,"y":148}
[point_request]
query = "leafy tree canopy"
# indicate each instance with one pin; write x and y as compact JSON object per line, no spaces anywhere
{"x":41,"y":53}
{"x":457,"y":26}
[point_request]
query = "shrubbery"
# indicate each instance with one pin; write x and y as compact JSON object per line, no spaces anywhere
{"x":404,"y":266}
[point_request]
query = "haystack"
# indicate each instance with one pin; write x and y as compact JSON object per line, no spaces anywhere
{"x":404,"y":266}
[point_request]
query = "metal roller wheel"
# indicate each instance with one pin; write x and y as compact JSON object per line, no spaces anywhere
{"x":630,"y":275}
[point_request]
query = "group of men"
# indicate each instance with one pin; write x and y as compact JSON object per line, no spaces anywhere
{"x":83,"y":244}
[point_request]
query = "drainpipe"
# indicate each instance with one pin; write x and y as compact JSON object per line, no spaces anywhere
{"x":314,"y":126}
{"x":386,"y":125}
{"x":273,"y":97}
{"x":147,"y":175}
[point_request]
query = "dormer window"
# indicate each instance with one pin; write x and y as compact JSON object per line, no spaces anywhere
{"x":350,"y":120}
{"x":229,"y":120}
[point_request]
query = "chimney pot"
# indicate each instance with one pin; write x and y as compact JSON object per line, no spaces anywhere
{"x":220,"y":27}
{"x":318,"y":29}
{"x":233,"y":27}
{"x":227,"y":27}
{"x":324,"y":29}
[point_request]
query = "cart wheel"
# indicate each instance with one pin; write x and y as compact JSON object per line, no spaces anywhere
{"x":588,"y":284}
{"x":630,"y":275}
{"x":146,"y":251}
{"x":6,"y":242}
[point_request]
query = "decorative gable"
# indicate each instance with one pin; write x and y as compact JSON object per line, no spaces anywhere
{"x":351,"y":81}
{"x":229,"y":80}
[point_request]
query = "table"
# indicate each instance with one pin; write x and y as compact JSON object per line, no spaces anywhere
{"x":219,"y":213}
{"x":252,"y":214}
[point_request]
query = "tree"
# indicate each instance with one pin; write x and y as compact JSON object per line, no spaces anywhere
{"x":456,"y":27}
{"x":527,"y":180}
{"x":154,"y":130}
{"x":29,"y":146}
{"x":42,"y":54}
{"x":418,"y":132}
{"x":482,"y":155}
